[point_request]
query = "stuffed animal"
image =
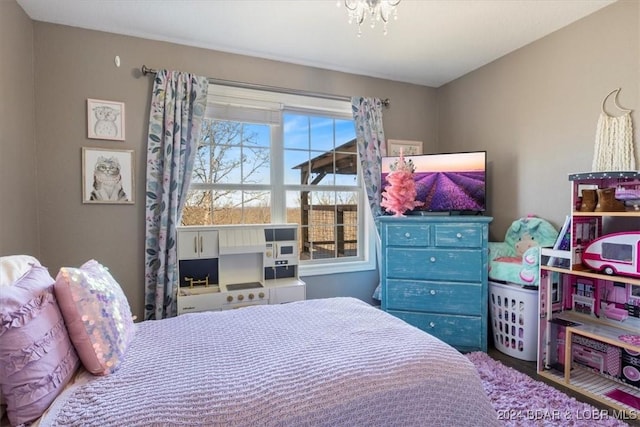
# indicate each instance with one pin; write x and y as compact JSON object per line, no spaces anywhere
{"x":516,"y":259}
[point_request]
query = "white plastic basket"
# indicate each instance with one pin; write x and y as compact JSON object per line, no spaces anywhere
{"x":514,"y":313}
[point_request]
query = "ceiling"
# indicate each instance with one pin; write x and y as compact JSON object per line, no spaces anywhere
{"x":431,"y":43}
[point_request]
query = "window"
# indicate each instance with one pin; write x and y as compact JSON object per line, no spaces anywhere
{"x":267,"y":157}
{"x":617,"y":252}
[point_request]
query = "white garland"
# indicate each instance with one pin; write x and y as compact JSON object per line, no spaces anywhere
{"x":614,"y":144}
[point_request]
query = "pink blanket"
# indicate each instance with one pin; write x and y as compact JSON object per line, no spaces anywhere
{"x":327,"y":362}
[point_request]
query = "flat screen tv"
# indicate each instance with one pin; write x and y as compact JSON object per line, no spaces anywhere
{"x":446,"y":182}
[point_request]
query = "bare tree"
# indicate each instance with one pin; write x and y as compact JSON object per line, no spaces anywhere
{"x":225,"y":148}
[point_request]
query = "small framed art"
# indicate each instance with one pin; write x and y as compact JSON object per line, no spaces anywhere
{"x":107,"y":176}
{"x":105,"y":119}
{"x":409,"y":148}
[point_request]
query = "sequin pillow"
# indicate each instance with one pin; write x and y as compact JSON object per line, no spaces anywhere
{"x":97,"y":315}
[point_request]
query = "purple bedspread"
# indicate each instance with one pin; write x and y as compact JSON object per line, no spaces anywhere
{"x":331,"y":362}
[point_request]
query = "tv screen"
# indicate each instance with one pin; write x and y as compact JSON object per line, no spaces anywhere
{"x":446,"y":182}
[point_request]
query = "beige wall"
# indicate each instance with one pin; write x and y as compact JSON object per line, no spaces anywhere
{"x":75,"y":64}
{"x":535,"y":111}
{"x":18,"y":191}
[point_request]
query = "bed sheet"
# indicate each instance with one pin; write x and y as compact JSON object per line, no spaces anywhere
{"x":333,"y":362}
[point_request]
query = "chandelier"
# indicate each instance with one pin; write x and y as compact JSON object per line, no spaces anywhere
{"x":377,"y":10}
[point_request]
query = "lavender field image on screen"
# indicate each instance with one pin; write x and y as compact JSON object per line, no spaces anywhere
{"x":447,"y":182}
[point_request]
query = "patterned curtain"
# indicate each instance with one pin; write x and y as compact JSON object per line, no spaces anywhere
{"x":178,"y":103}
{"x":367,"y":114}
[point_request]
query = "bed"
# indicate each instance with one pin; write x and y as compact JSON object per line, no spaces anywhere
{"x":335,"y":361}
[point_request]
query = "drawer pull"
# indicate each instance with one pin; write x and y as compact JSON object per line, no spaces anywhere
{"x":407,"y":235}
{"x":432,"y":259}
{"x":459,"y":235}
{"x":432,"y":291}
{"x":432,"y":325}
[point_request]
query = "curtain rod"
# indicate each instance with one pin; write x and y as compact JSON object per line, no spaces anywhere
{"x":386,"y":102}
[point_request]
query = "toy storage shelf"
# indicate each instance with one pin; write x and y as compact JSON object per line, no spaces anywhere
{"x":589,"y":324}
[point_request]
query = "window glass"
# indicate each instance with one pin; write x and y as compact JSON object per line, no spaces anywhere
{"x":617,"y":252}
{"x":300,"y":166}
{"x":208,"y":207}
{"x":232,"y":153}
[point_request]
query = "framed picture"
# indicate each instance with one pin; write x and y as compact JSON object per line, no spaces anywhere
{"x":105,"y":119}
{"x":107,"y":176}
{"x":409,"y":148}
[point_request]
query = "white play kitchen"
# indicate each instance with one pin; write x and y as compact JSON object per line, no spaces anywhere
{"x":232,"y":266}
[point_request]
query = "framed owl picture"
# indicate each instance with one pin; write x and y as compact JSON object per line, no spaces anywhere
{"x":105,"y":119}
{"x":107,"y":176}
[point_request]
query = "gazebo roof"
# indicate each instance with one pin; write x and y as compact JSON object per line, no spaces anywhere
{"x":323,"y":164}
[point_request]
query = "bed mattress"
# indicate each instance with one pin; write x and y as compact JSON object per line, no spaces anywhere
{"x":333,"y":362}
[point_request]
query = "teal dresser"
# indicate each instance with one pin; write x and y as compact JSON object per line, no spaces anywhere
{"x":434,"y":275}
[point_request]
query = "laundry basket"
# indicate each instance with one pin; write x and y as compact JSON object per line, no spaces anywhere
{"x":514,"y":313}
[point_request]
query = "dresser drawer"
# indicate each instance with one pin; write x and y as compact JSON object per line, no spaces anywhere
{"x":461,"y":265}
{"x":459,"y":235}
{"x":461,"y":332}
{"x":437,"y":297}
{"x":407,"y":234}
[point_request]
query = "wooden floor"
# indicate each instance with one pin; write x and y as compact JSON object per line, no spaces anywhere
{"x":529,"y":368}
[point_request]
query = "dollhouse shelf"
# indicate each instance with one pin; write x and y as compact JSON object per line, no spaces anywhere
{"x":579,"y":347}
{"x":596,"y":387}
{"x":604,"y":330}
{"x":581,"y":271}
{"x":631,"y":213}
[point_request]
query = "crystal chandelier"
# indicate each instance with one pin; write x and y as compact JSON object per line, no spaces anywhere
{"x":377,"y":10}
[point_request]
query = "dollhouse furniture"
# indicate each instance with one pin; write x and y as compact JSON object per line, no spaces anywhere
{"x":583,"y":304}
{"x":615,"y":313}
{"x":434,"y":275}
{"x":587,"y":315}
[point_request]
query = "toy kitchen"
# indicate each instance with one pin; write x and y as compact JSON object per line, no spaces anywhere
{"x":232,"y":266}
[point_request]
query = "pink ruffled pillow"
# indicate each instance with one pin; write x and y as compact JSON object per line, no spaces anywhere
{"x":97,"y":315}
{"x":37,"y":358}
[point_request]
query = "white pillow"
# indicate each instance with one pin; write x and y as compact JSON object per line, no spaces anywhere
{"x":13,"y":267}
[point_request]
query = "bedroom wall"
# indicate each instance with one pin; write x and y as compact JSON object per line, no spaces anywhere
{"x":535,"y":111}
{"x":18,"y":190}
{"x":73,"y":64}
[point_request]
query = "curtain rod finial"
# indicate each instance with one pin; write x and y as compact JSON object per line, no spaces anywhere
{"x":146,"y":70}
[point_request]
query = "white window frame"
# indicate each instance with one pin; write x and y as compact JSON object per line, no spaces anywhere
{"x":251,"y":105}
